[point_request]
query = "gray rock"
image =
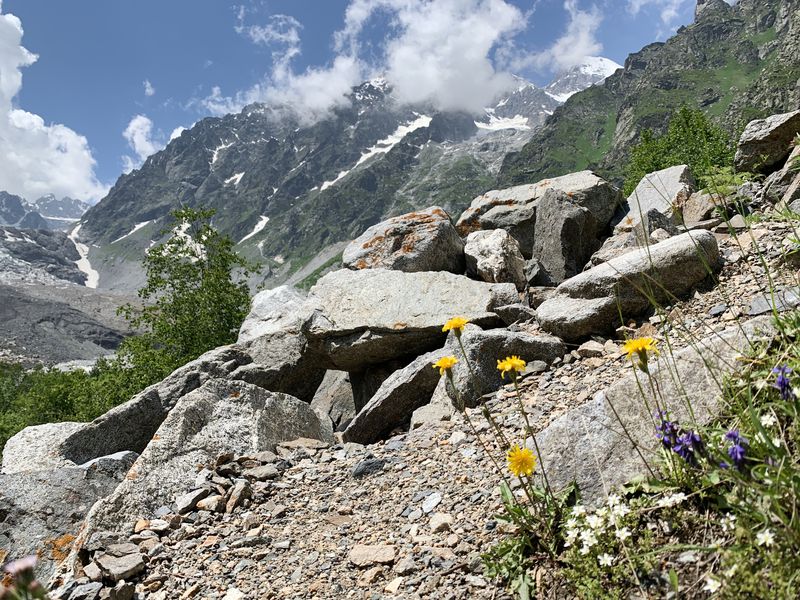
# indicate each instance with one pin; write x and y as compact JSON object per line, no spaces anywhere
{"x":392,"y":405}
{"x":699,"y":207}
{"x":640,"y":236}
{"x":120,"y":567}
{"x":262,"y":473}
{"x":664,"y":191}
{"x":514,"y":209}
{"x":375,"y":315}
{"x":187,"y":502}
{"x":87,"y":591}
{"x":515,"y":313}
{"x":272,"y":311}
{"x":565,"y":237}
{"x":484,"y":349}
{"x":423,"y":240}
{"x":219,"y":417}
{"x":780,"y":301}
{"x":494,"y":256}
{"x":334,"y":398}
{"x":591,"y":303}
{"x":765,"y":143}
{"x":587,"y":444}
{"x":131,"y":425}
{"x":35,"y":448}
{"x":42,"y":511}
{"x":439,"y":409}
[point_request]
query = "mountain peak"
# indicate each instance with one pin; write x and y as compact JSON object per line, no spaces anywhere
{"x":706,"y":6}
{"x":593,"y":70}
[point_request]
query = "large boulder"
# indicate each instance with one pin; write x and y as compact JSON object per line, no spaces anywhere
{"x":41,"y":511}
{"x":373,"y":316}
{"x":765,"y":143}
{"x":514,"y":209}
{"x":424,"y":240}
{"x":494,"y":256}
{"x":392,"y":405}
{"x":588,"y":445}
{"x":665,"y":191}
{"x":218,"y":418}
{"x":36,"y":448}
{"x":565,"y":237}
{"x":484,"y":349}
{"x":591,"y":302}
{"x":272,"y":311}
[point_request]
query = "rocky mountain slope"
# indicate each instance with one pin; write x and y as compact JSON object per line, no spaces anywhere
{"x":736,"y":63}
{"x":291,"y":193}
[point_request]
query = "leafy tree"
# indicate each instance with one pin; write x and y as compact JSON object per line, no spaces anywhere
{"x":196,"y":297}
{"x":691,"y":139}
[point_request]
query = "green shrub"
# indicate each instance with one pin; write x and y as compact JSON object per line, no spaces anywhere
{"x":691,"y":139}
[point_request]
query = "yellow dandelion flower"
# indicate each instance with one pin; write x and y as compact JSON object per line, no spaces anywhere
{"x":521,"y":461}
{"x":640,"y":346}
{"x":457,"y":324}
{"x":445,"y":363}
{"x":512,"y":364}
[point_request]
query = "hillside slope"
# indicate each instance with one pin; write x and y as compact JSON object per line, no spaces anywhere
{"x":736,"y":63}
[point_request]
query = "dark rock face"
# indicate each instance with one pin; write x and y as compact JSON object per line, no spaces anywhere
{"x":49,"y":251}
{"x":596,"y":128}
{"x":50,"y":329}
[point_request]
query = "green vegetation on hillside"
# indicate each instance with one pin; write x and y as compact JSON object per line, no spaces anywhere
{"x":691,"y":139}
{"x":197,"y":297}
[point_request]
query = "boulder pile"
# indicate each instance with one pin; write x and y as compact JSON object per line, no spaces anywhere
{"x":540,"y":271}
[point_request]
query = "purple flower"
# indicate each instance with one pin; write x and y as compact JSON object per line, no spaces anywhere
{"x":687,"y":444}
{"x":666,"y":430}
{"x":782,"y":383}
{"x":738,"y":448}
{"x":21,"y":565}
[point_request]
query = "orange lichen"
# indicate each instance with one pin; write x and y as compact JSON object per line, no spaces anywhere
{"x":60,"y":547}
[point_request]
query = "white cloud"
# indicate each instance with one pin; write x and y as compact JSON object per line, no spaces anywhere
{"x":436,"y":51}
{"x":669,"y":10}
{"x":149,"y":90}
{"x":139,"y":134}
{"x":37,"y":158}
{"x":578,"y":42}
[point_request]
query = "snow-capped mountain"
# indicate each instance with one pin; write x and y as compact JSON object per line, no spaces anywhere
{"x":592,"y":71}
{"x":60,"y":213}
{"x":291,"y":194}
{"x":16,"y":212}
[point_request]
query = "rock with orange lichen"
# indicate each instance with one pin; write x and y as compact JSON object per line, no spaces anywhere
{"x":424,"y":240}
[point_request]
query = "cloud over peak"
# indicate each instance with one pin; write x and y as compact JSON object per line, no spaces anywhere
{"x":453,"y":54}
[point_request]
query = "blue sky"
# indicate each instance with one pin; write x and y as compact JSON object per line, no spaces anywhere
{"x":83,"y":112}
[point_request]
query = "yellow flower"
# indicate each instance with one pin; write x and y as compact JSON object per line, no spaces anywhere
{"x":457,"y":324}
{"x":445,"y":363}
{"x":513,"y":364}
{"x":521,"y":461}
{"x":640,"y":346}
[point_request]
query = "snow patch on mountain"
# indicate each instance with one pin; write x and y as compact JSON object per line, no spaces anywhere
{"x":136,"y":228}
{"x":262,"y":222}
{"x":92,"y":276}
{"x":498,"y":123}
{"x":594,"y":70}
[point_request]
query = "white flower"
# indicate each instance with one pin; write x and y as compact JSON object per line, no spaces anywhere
{"x":712,"y":585}
{"x":571,"y":536}
{"x":578,"y":510}
{"x":768,"y":420}
{"x":765,"y":538}
{"x":728,"y":522}
{"x":620,"y":510}
{"x":613,"y":500}
{"x":588,"y":538}
{"x":623,"y":534}
{"x":602,"y":512}
{"x":595,"y":521}
{"x":776,"y":441}
{"x":732,"y":571}
{"x":585,"y":549}
{"x":671,"y":500}
{"x":605,"y":560}
{"x":572,"y":523}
